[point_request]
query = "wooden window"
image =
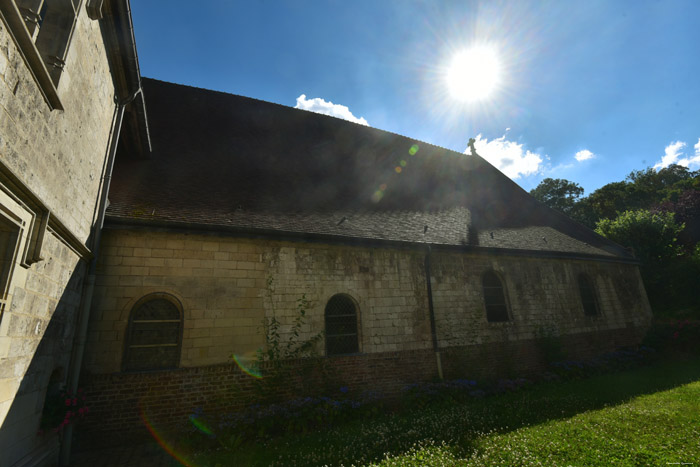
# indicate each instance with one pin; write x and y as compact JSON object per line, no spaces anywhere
{"x":341,"y":326}
{"x":154,"y":335}
{"x":588,"y":297}
{"x":494,"y":298}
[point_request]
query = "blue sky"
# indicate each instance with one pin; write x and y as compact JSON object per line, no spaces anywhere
{"x":615,"y":82}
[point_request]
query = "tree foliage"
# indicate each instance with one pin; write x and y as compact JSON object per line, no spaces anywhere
{"x":652,"y":236}
{"x":671,"y":278}
{"x":558,"y":193}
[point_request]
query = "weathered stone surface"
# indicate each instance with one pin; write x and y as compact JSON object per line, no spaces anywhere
{"x":225,"y":300}
{"x":59,"y":156}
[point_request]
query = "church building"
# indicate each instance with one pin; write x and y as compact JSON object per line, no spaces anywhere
{"x":148,"y":229}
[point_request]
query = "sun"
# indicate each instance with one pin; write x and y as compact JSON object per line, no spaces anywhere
{"x":474,"y":73}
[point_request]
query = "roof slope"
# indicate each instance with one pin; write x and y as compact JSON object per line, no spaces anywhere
{"x":240,"y":163}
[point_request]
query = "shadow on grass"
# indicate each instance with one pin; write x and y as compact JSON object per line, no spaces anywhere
{"x":461,"y":424}
{"x":559,"y":400}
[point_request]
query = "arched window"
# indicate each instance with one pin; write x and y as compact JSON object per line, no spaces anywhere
{"x":154,"y":335}
{"x":494,"y":298}
{"x":341,"y":326}
{"x":588,"y":298}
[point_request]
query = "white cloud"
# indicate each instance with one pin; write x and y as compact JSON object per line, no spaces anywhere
{"x":584,"y":155}
{"x":508,"y":156}
{"x":320,"y":106}
{"x":675,"y":154}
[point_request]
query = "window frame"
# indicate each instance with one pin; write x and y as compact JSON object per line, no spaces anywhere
{"x":55,"y":34}
{"x":584,"y":279}
{"x":46,"y":76}
{"x":356,"y":314}
{"x":503,"y":293}
{"x":129,"y":334}
{"x":16,"y":216}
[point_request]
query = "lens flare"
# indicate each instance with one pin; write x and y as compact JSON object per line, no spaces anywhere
{"x":199,"y":424}
{"x":161,"y":440}
{"x":248,"y":369}
{"x":398,"y":170}
{"x":413,"y":150}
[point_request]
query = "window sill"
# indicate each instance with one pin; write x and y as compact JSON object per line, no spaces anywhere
{"x":12,"y":18}
{"x":510,"y":322}
{"x":354,"y":354}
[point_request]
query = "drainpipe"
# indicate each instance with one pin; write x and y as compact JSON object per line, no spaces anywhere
{"x":431,"y":313}
{"x":89,"y":285}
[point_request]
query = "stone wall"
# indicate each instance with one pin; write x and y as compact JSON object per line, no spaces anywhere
{"x":37,"y":332}
{"x":543,"y":296}
{"x":227,"y":285}
{"x":58,"y":156}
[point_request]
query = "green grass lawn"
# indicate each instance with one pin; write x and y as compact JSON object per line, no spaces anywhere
{"x":647,"y":416}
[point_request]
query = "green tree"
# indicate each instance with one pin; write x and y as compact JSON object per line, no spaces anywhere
{"x":558,"y":193}
{"x":648,"y":187}
{"x":609,"y":200}
{"x":652,"y":236}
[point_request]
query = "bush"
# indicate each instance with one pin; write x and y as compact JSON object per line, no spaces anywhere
{"x":675,"y":337}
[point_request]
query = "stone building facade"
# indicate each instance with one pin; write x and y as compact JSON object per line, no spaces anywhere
{"x":226,"y":286}
{"x":442,"y":269}
{"x":415,"y":262}
{"x":60,"y":71}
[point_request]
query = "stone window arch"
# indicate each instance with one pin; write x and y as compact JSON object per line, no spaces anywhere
{"x":341,"y":326}
{"x":494,"y":298}
{"x":587,"y":292}
{"x":154,"y":334}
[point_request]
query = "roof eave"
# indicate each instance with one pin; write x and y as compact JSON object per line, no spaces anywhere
{"x":118,"y":34}
{"x":116,"y":222}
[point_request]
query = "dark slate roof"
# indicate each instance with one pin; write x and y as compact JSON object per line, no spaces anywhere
{"x":233,"y":162}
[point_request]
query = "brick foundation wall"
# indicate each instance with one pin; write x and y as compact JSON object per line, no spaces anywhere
{"x":526,"y":357}
{"x":166,"y":398}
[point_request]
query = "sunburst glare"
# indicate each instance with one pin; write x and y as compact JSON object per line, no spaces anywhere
{"x":474,"y":73}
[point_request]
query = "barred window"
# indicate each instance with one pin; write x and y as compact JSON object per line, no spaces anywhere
{"x":341,"y":326}
{"x":588,"y":297}
{"x":154,"y":335}
{"x":50,"y":24}
{"x":494,"y":298}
